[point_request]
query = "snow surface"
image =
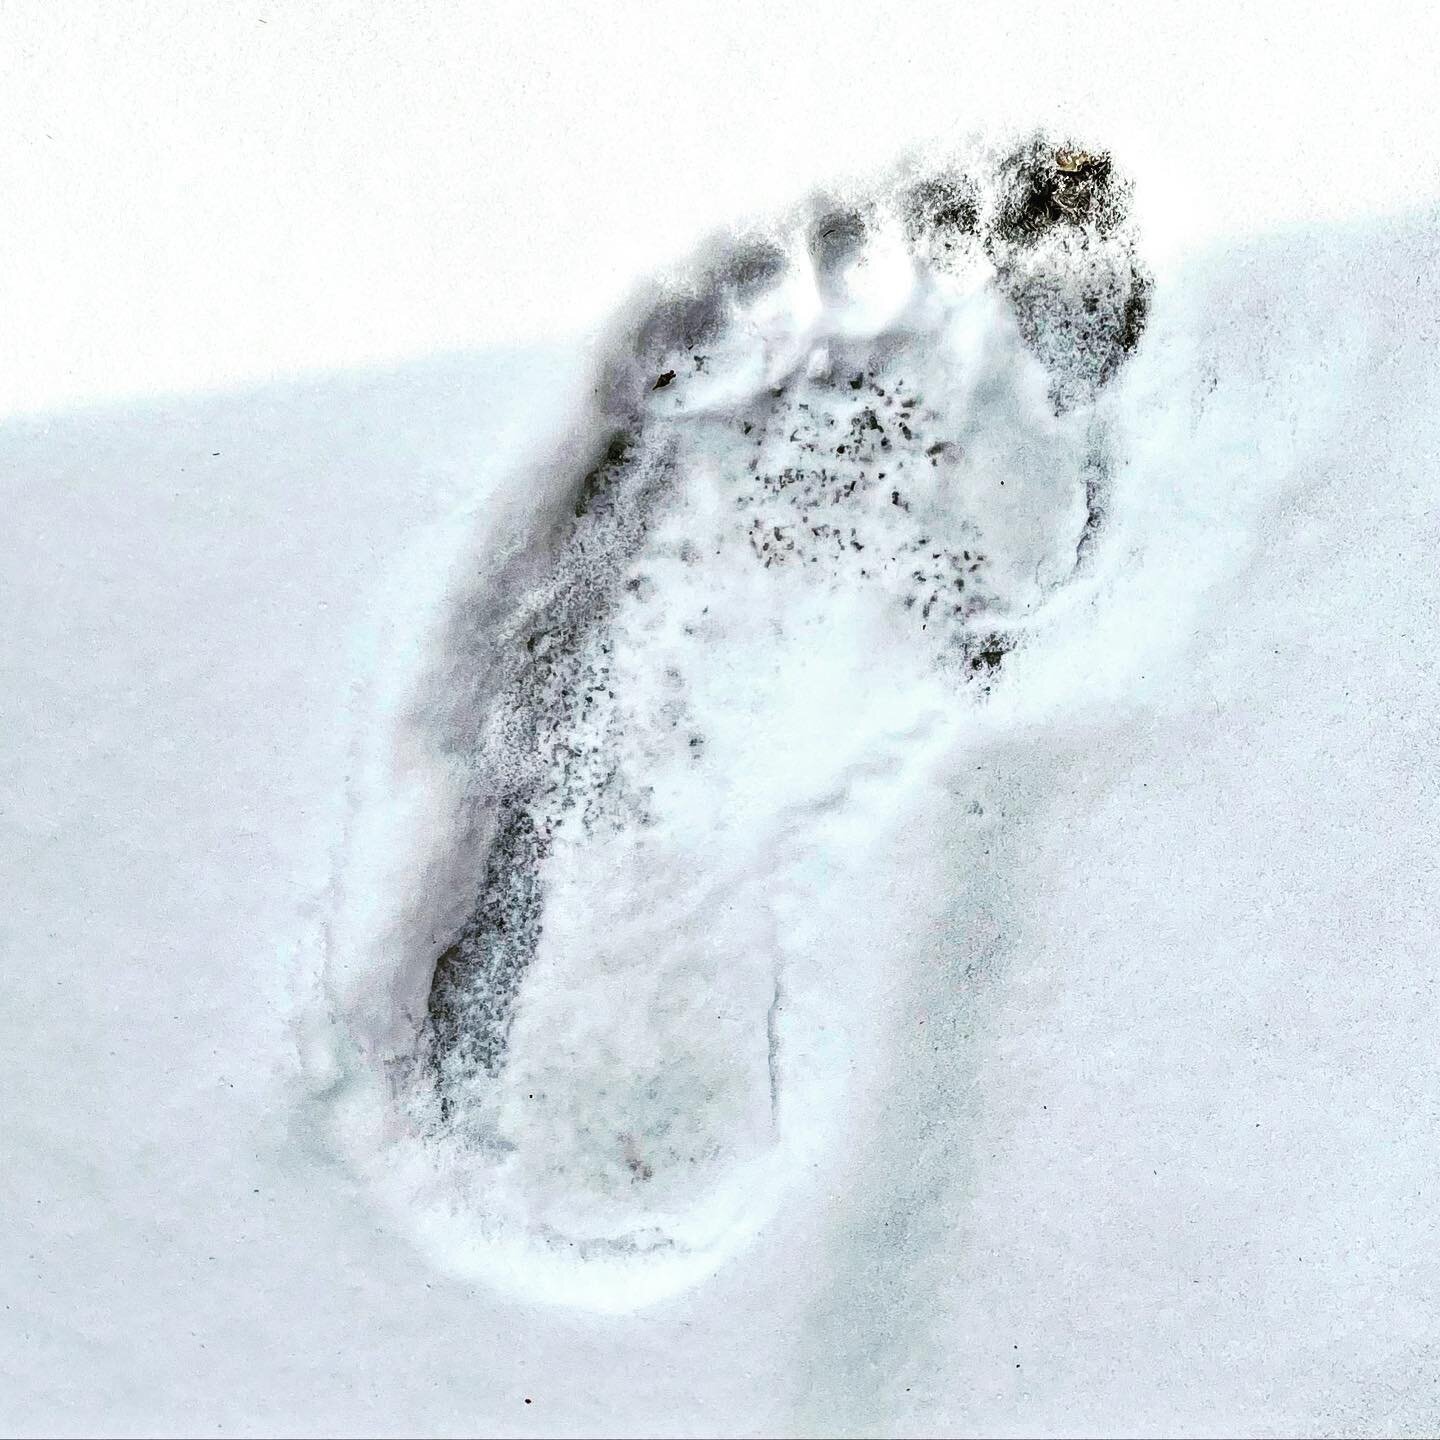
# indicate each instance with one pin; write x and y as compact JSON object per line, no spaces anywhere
{"x":1138,"y":1115}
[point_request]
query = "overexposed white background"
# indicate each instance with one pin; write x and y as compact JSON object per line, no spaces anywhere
{"x":199,"y":194}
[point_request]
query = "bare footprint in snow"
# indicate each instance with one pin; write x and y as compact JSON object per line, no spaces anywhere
{"x":833,"y":475}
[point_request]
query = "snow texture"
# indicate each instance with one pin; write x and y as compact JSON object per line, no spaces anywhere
{"x":863,"y":862}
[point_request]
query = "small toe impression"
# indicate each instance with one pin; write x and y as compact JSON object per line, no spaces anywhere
{"x":834,"y":241}
{"x":941,"y":215}
{"x":753,"y":267}
{"x":864,"y":273}
{"x":707,"y":338}
{"x":680,"y":322}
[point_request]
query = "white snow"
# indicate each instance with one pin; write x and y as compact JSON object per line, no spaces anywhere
{"x":1139,"y":1118}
